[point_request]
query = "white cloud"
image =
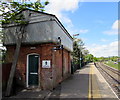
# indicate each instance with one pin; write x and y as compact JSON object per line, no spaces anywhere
{"x":67,"y":21}
{"x":115,"y":24}
{"x":57,"y":7}
{"x":104,"y":50}
{"x":114,"y":28}
{"x":83,"y":31}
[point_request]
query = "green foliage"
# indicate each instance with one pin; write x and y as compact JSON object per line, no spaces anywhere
{"x":46,"y":3}
{"x":14,"y":8}
{"x":95,"y":59}
{"x":10,"y":14}
{"x":113,"y":58}
{"x":80,"y":52}
{"x":78,"y":46}
{"x":2,"y":56}
{"x":89,"y":58}
{"x":76,"y":52}
{"x":13,"y":15}
{"x":112,"y":64}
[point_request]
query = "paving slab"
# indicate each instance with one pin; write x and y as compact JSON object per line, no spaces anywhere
{"x":77,"y":85}
{"x":105,"y":90}
{"x":25,"y":94}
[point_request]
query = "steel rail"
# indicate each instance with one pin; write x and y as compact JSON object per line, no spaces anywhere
{"x":110,"y":68}
{"x":99,"y":65}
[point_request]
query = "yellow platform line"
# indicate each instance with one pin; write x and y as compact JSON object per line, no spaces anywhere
{"x":94,"y":91}
{"x":90,"y":92}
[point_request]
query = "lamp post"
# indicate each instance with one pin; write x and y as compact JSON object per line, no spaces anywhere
{"x":76,"y":34}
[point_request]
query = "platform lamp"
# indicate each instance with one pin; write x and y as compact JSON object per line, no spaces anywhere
{"x":59,"y":46}
{"x":75,"y":35}
{"x":59,"y":43}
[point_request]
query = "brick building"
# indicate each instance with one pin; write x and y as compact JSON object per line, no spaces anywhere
{"x":45,"y":54}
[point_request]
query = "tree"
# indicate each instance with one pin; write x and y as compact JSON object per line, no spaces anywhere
{"x":14,"y":15}
{"x":95,"y":59}
{"x":85,"y":52}
{"x":78,"y":52}
{"x":75,"y":52}
{"x":89,"y":58}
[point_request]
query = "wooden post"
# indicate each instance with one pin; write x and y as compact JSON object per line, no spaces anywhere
{"x":14,"y":63}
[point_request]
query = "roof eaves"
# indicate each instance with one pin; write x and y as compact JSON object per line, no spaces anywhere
{"x":50,"y":15}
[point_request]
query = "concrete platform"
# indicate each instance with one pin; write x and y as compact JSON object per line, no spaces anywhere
{"x":98,"y":87}
{"x":29,"y":95}
{"x":85,"y":84}
{"x":77,"y":85}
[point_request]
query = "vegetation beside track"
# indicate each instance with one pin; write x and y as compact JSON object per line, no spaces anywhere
{"x":113,"y":64}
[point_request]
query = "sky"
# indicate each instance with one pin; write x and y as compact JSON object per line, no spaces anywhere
{"x":96,"y":23}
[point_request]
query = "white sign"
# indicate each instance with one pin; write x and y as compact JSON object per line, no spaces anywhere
{"x":46,"y":64}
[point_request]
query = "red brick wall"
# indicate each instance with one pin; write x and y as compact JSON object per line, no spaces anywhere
{"x":61,"y":63}
{"x":5,"y":74}
{"x":49,"y":77}
{"x":66,"y":63}
{"x":46,"y":54}
{"x":57,"y":67}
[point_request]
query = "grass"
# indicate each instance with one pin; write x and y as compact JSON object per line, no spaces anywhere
{"x":116,"y":66}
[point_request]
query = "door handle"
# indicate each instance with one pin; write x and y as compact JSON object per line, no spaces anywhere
{"x":33,"y":73}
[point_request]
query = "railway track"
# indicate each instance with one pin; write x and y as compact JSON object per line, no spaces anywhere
{"x":114,"y":74}
{"x":111,"y":75}
{"x":112,"y":69}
